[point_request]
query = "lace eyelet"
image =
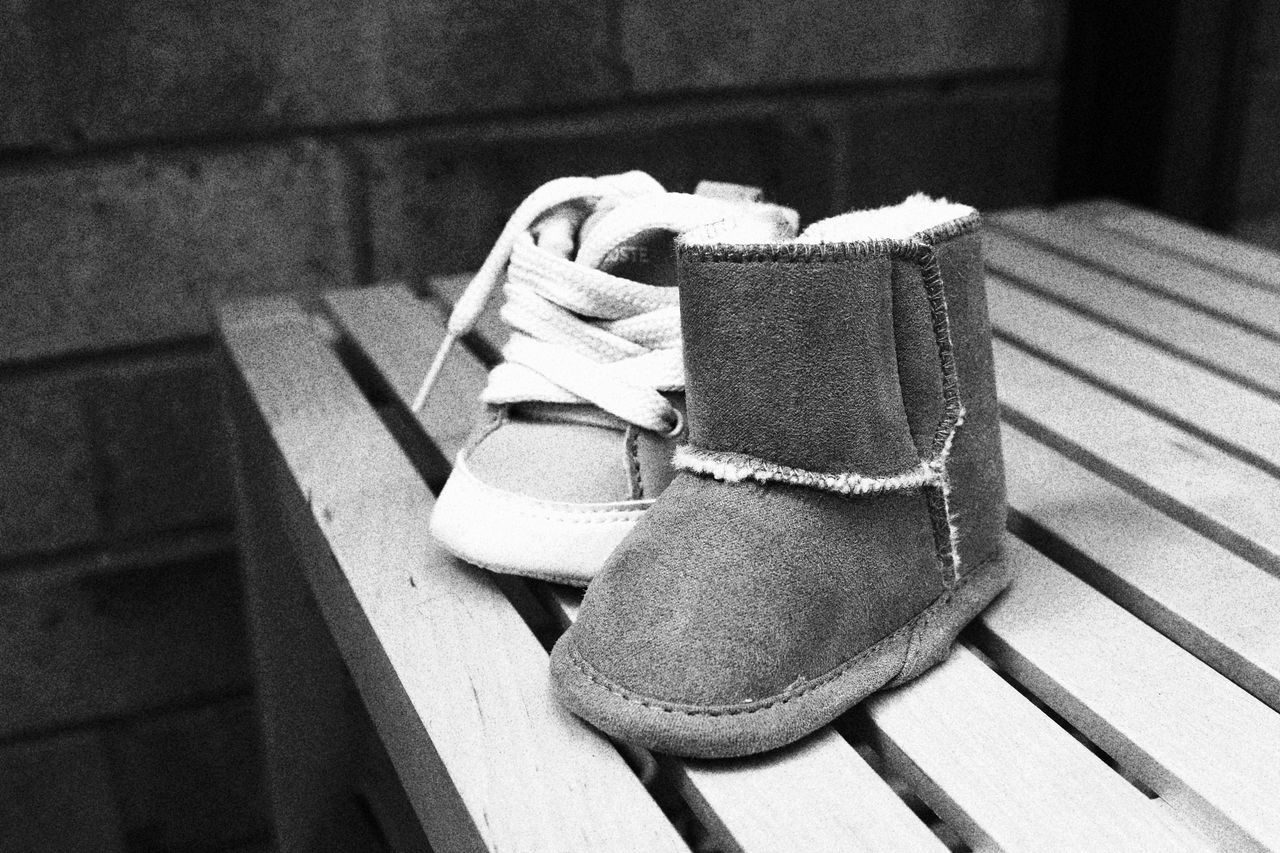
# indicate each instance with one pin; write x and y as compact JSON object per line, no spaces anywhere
{"x":678,"y":428}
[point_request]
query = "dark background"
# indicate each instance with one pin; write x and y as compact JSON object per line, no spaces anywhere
{"x":156,"y":157}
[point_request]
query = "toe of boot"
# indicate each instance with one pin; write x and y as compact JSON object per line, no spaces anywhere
{"x":738,"y":618}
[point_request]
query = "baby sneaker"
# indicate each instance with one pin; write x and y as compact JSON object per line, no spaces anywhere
{"x":581,"y":415}
{"x":838,"y":510}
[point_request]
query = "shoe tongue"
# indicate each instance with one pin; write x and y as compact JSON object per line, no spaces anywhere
{"x":635,"y":238}
{"x":593,"y":220}
{"x":647,"y":257}
{"x":560,"y":229}
{"x":729,"y":192}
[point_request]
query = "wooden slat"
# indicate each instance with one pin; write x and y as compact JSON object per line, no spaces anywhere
{"x":1006,"y":776}
{"x":1198,"y":740}
{"x":816,"y":795}
{"x":1226,"y":347}
{"x":1170,"y":275}
{"x":820,"y":795}
{"x":727,"y":794}
{"x":390,"y":322}
{"x":1217,"y":605}
{"x":490,"y":328}
{"x":1231,"y":501}
{"x":1146,"y":227}
{"x":454,"y":680}
{"x":1015,"y":818}
{"x":1238,"y":416}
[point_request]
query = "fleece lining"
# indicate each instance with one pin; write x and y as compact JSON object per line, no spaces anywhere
{"x":902,"y":221}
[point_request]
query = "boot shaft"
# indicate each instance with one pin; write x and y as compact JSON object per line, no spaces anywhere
{"x":870,"y":358}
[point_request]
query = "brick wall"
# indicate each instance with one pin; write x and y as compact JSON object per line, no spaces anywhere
{"x":159,"y":155}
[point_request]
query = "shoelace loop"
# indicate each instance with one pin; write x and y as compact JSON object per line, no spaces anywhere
{"x":472,"y":302}
{"x":579,"y":334}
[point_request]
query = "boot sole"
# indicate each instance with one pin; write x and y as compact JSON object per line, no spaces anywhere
{"x":728,"y":731}
{"x":516,"y":535}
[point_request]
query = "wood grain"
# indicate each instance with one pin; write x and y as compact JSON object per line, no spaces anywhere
{"x":1231,"y":501}
{"x":1006,"y":776}
{"x":454,"y":680}
{"x":1150,"y":513}
{"x":821,"y":795}
{"x":1201,"y":742}
{"x":1243,"y":355}
{"x":817,"y":795}
{"x":1233,"y":415}
{"x":1213,"y":291}
{"x":490,"y":328}
{"x":1244,"y":260}
{"x":1217,"y":605}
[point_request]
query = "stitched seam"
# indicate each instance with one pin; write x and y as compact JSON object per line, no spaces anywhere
{"x":940,"y":511}
{"x":918,"y":249}
{"x":732,"y":467}
{"x":944,"y":533}
{"x":497,"y":418}
{"x":566,"y":511}
{"x":571,"y":520}
{"x":935,"y":294}
{"x":631,"y":443}
{"x":745,"y":253}
{"x":913,"y":645}
{"x":919,"y":629}
{"x":586,"y":516}
{"x":774,"y":701}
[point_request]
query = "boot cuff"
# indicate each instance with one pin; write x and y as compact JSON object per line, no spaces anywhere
{"x":896,"y":230}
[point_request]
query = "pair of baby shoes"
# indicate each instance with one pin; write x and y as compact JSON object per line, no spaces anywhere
{"x":773,"y":456}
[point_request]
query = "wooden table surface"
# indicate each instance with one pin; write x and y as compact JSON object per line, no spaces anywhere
{"x":1122,"y":695}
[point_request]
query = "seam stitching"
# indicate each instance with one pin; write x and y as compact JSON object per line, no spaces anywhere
{"x":635,"y":478}
{"x":746,"y":253}
{"x":533,"y":508}
{"x":732,"y":467}
{"x":941,"y":514}
{"x":907,"y":631}
{"x":931,"y":473}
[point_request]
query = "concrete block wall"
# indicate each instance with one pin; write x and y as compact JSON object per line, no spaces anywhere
{"x":1257,"y":191}
{"x":156,"y":157}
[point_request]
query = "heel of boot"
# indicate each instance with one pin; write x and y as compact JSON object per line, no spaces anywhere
{"x":936,"y":629}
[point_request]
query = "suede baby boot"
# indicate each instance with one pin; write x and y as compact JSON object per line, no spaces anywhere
{"x":581,"y":416}
{"x":839,"y":507}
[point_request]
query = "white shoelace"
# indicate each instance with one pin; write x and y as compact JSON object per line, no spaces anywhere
{"x":579,"y":334}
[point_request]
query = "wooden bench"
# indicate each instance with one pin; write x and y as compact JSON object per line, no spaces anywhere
{"x":1122,"y":695}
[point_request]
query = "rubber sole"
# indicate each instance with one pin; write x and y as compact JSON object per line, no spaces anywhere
{"x":514,"y":534}
{"x":727,"y":731}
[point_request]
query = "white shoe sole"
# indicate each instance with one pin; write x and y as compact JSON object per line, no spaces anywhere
{"x":519,"y":535}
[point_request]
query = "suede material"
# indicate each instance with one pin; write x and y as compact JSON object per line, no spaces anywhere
{"x":919,"y":369}
{"x":976,"y":466}
{"x":837,"y":357}
{"x":728,"y":594}
{"x":717,"y":732}
{"x":551,"y":461}
{"x":654,"y":471}
{"x":795,"y":362}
